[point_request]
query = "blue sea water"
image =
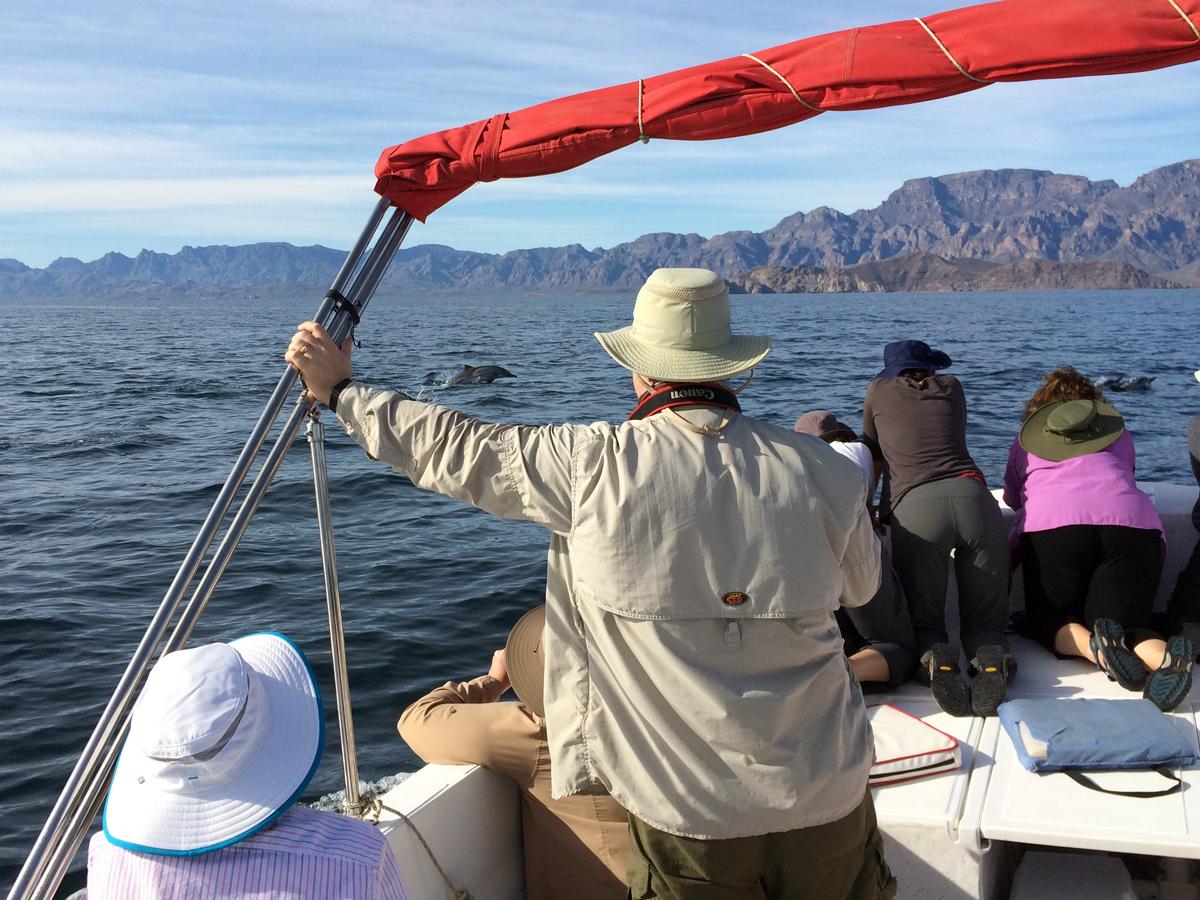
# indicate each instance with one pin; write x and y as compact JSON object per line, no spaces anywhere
{"x":121,"y":421}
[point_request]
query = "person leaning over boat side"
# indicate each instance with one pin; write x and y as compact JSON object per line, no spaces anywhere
{"x":223,"y":739}
{"x":1091,"y":543}
{"x":878,"y":635}
{"x":574,"y":847}
{"x":694,"y":668}
{"x":936,"y":501}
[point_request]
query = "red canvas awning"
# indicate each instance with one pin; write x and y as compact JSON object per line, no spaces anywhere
{"x":861,"y":68}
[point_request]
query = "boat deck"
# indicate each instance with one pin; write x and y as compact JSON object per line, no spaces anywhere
{"x":960,"y":834}
{"x":955,"y":835}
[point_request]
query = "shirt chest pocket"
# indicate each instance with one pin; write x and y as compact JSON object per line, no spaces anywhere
{"x":647,"y":568}
{"x":668,"y":526}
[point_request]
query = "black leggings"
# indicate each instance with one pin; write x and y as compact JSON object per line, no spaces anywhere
{"x":1081,"y":573}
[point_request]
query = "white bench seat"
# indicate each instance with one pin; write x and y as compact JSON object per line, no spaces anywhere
{"x":1053,"y":810}
{"x":941,"y":831}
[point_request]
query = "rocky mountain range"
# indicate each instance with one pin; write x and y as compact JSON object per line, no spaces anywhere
{"x":929,"y":272}
{"x":931,"y":232}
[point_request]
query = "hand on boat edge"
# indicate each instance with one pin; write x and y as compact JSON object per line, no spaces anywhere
{"x":320,"y":362}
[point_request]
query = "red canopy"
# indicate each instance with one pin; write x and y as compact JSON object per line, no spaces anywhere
{"x":861,"y":68}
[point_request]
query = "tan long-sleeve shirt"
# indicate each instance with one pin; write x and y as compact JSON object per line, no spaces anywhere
{"x":694,"y":668}
{"x":575,"y":847}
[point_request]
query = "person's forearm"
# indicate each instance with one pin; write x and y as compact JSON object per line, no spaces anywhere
{"x":438,"y":448}
{"x":515,"y":471}
{"x":436,"y":731}
{"x":483,"y":689}
{"x":459,"y":724}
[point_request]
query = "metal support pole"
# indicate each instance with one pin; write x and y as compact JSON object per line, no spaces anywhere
{"x":58,"y":842}
{"x":340,"y":327}
{"x":315,"y":432}
{"x":339,"y":330}
{"x":81,"y":819}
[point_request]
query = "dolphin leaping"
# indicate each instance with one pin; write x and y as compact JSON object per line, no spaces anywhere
{"x":1122,"y":385}
{"x":1141,"y":383}
{"x":478,"y":375}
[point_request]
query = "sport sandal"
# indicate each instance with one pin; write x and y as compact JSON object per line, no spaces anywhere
{"x":1116,"y":660}
{"x":1170,"y":682}
{"x":990,"y":675}
{"x":940,"y":663}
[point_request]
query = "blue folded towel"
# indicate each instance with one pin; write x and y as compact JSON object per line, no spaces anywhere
{"x":1094,"y":734}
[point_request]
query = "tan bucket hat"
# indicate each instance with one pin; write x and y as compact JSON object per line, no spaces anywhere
{"x":1071,"y":428}
{"x":681,"y":331}
{"x":523,"y":657}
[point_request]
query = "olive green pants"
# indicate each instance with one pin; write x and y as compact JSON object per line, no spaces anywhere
{"x":842,"y":860}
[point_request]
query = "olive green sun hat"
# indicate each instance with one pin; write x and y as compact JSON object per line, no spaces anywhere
{"x":1071,"y":428}
{"x":524,"y":660}
{"x":681,"y":331}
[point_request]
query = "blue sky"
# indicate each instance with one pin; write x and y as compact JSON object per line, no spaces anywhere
{"x":156,"y":125}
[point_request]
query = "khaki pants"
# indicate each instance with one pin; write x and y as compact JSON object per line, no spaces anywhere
{"x":842,"y":860}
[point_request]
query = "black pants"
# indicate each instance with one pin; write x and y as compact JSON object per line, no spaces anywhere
{"x":930,"y":521}
{"x":1081,"y":573}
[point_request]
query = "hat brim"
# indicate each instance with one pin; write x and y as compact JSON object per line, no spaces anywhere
{"x":141,"y":815}
{"x":937,"y":360}
{"x":742,"y":352}
{"x":524,"y":660}
{"x":1036,"y":440}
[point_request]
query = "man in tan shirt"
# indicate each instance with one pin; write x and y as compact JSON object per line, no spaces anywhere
{"x":697,"y":556}
{"x":574,"y":847}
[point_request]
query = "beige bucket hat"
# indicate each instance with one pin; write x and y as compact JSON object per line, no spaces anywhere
{"x":523,"y":656}
{"x":681,"y":331}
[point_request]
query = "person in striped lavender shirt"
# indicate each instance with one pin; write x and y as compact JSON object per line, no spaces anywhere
{"x":223,"y":740}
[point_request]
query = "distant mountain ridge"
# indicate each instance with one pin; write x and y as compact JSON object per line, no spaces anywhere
{"x":998,"y":216}
{"x":929,"y":272}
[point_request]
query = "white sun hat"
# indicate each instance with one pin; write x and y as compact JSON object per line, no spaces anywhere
{"x":223,"y":739}
{"x":681,"y":331}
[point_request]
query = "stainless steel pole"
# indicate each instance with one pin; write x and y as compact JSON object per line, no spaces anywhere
{"x":81,"y":818}
{"x":340,"y":325}
{"x":113,"y":720}
{"x":353,"y":804}
{"x":368,"y":280}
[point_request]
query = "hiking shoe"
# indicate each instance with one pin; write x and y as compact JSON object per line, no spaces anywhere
{"x":940,"y":666}
{"x":1116,"y":660}
{"x":1170,"y":682}
{"x":991,"y":672}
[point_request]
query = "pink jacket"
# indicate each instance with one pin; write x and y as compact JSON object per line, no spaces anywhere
{"x":1094,"y":489}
